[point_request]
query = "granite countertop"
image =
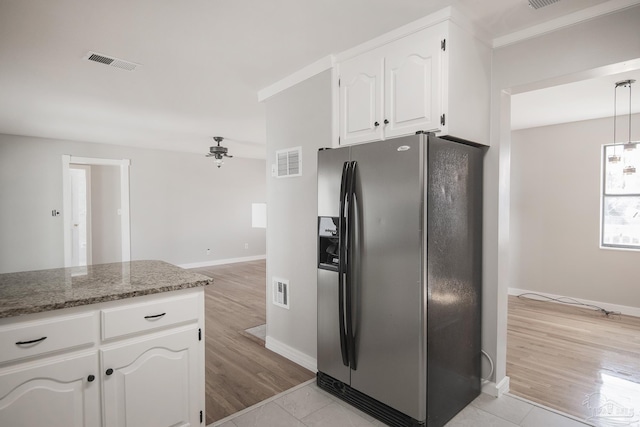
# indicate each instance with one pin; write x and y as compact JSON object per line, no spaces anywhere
{"x":45,"y":290}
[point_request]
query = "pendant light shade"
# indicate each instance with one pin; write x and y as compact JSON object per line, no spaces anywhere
{"x":628,"y":145}
{"x":614,"y":158}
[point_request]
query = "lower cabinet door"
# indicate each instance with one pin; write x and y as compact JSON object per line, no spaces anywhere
{"x":152,"y":382}
{"x":52,"y":393}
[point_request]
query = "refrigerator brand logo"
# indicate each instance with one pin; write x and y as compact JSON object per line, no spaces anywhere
{"x":404,"y":148}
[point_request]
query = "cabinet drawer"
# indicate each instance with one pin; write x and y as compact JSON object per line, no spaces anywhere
{"x":34,"y":338}
{"x":151,"y":315}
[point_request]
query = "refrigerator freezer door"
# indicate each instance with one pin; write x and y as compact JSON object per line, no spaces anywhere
{"x":388,"y":286}
{"x":330,"y":164}
{"x":329,"y":354}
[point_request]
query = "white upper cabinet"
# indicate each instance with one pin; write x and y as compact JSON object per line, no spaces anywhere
{"x":361,"y":98}
{"x":435,"y":78}
{"x":412,"y":95}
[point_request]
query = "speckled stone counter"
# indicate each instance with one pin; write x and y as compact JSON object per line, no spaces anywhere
{"x":45,"y":290}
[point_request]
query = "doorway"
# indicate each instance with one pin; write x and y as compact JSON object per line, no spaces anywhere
{"x":95,"y":210}
{"x":579,"y":360}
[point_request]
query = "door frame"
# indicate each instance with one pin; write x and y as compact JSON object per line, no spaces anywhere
{"x":124,"y":164}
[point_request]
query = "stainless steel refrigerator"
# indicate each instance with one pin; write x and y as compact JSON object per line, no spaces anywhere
{"x":399,"y":277}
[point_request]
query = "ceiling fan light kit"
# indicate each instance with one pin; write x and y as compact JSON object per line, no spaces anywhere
{"x":218,"y":151}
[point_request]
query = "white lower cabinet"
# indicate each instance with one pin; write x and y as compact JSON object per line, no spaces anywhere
{"x":151,"y":383}
{"x":52,"y":393}
{"x":134,"y":363}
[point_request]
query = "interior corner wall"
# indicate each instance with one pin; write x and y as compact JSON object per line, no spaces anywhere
{"x":298,"y":116}
{"x":555,"y":215}
{"x":575,"y":50}
{"x":180,"y":203}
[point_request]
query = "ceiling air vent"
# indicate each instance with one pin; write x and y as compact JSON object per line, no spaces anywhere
{"x":537,"y":4}
{"x":110,"y":61}
{"x":289,"y":162}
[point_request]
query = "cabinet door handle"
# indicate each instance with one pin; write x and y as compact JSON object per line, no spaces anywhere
{"x":376,"y":124}
{"x":155,"y":316}
{"x":109,"y":371}
{"x":386,"y":122}
{"x":31,"y":342}
{"x":90,"y":378}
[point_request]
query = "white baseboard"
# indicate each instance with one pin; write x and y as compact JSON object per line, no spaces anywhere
{"x":496,"y":390}
{"x":222,"y":261}
{"x":624,"y":309}
{"x":292,"y":354}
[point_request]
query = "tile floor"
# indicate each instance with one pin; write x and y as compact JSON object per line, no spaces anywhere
{"x":308,"y":406}
{"x":259,"y":331}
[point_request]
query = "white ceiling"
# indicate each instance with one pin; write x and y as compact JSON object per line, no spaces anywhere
{"x":203,"y":61}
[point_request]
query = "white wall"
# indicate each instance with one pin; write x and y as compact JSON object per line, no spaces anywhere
{"x":576,"y":52}
{"x":180,"y":203}
{"x":555,"y":215}
{"x":106,"y":235}
{"x":299,"y":116}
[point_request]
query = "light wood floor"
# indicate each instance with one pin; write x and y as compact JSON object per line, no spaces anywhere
{"x":240,"y":371}
{"x":575,"y":360}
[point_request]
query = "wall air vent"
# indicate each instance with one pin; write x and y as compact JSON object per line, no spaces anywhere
{"x":289,"y":162}
{"x":110,"y":61}
{"x":537,"y":4}
{"x":281,"y":292}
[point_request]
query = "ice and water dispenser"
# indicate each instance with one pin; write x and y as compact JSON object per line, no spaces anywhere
{"x":328,"y":249}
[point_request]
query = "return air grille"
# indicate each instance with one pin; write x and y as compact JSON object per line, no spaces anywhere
{"x":537,"y":4}
{"x":281,"y":292}
{"x":112,"y":62}
{"x":289,"y":162}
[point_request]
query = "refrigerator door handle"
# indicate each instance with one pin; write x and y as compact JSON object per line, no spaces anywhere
{"x":342,"y":258}
{"x":350,"y":247}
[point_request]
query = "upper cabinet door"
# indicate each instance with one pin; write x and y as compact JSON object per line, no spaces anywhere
{"x":408,"y":83}
{"x":413,"y":83}
{"x":361,"y":98}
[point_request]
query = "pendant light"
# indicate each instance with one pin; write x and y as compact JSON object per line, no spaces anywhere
{"x":627,"y":146}
{"x":218,"y":151}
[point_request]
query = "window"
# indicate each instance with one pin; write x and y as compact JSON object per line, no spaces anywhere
{"x":620,"y":198}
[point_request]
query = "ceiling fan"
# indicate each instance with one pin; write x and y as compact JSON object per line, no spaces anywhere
{"x":218,"y":151}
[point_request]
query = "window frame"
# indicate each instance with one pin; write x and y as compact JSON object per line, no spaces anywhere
{"x":603,"y":196}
